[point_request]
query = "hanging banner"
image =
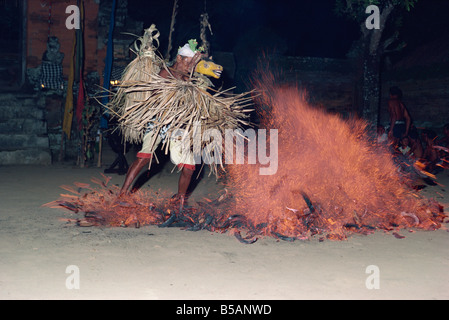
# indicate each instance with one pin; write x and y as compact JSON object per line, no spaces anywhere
{"x":80,"y":66}
{"x":108,"y":65}
{"x":68,"y":110}
{"x":80,"y":102}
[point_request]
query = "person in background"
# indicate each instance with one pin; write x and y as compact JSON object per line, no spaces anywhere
{"x":415,"y":145}
{"x":400,"y":120}
{"x":404,"y":147}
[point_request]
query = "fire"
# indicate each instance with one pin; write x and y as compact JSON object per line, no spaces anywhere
{"x":332,"y":179}
{"x":102,"y":205}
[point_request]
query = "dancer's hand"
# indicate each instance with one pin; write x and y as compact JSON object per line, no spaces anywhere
{"x":195,"y":59}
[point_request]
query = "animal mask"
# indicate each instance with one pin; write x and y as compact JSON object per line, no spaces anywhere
{"x":209,"y":68}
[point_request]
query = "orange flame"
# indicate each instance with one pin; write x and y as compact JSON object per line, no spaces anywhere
{"x":331,"y":181}
{"x":331,"y":177}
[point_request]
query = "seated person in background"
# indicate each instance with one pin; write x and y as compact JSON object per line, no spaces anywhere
{"x":404,"y":147}
{"x":415,"y":145}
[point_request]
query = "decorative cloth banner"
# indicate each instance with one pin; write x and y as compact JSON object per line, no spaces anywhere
{"x":51,"y":76}
{"x":108,"y":66}
{"x":68,"y":111}
{"x":80,"y":101}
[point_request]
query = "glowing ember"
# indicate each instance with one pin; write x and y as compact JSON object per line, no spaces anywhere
{"x":331,"y":179}
{"x":103,"y":206}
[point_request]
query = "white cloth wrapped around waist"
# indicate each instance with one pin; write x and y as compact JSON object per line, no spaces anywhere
{"x":162,"y":132}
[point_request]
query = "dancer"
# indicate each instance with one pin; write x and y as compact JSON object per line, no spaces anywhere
{"x":157,"y":104}
{"x":186,"y":60}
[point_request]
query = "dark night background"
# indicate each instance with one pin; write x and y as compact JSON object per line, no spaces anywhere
{"x":294,"y":28}
{"x":307,"y":28}
{"x":249,"y":28}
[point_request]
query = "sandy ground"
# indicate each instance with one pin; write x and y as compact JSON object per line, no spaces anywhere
{"x":37,"y":250}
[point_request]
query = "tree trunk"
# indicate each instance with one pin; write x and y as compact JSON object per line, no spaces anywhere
{"x":372,"y":54}
{"x":371,"y":88}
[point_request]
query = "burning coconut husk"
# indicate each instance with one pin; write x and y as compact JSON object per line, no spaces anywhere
{"x":332,"y":181}
{"x":102,"y":205}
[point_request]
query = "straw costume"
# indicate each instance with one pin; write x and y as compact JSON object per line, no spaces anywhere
{"x":171,"y":110}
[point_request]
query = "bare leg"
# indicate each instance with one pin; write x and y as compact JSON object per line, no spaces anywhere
{"x":183,"y":184}
{"x":184,"y":180}
{"x":133,"y":171}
